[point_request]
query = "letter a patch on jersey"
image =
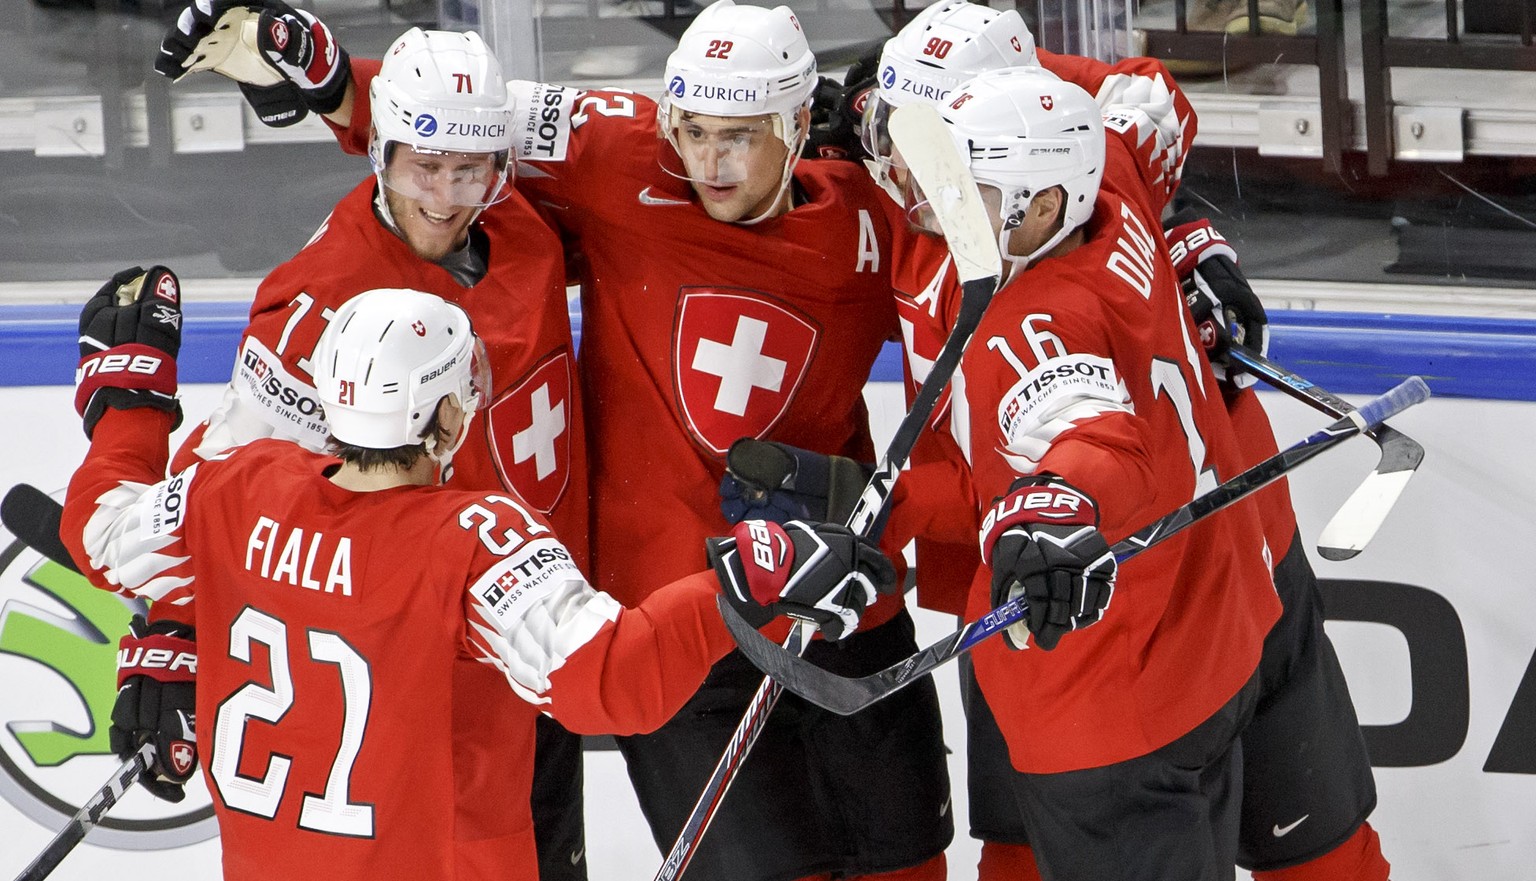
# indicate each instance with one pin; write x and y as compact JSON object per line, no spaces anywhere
{"x":738,"y":358}
{"x":530,"y":428}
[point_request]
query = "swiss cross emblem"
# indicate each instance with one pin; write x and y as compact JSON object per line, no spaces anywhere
{"x":166,"y":289}
{"x":531,"y":433}
{"x":279,"y":35}
{"x":738,"y":358}
{"x":421,"y":329}
{"x":183,"y":756}
{"x":1047,"y":101}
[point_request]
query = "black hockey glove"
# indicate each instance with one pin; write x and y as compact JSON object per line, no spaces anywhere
{"x":156,"y":673}
{"x":286,"y":60}
{"x":1225,"y":309}
{"x":765,"y":480}
{"x":837,"y":111}
{"x":819,"y":572}
{"x":130,"y":334}
{"x":1042,"y":540}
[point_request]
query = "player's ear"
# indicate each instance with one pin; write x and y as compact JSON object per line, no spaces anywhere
{"x":1050,"y":204}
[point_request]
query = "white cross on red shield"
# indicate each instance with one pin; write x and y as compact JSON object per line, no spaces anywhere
{"x":739,"y":357}
{"x":530,"y":427}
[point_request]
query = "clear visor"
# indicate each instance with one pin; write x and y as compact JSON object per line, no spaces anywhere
{"x":919,"y":206}
{"x":445,"y":178}
{"x":875,"y":128}
{"x":717,"y":150}
{"x":478,"y":395}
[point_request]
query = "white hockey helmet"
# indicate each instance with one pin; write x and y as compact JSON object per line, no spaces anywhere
{"x":387,"y":358}
{"x":741,"y":61}
{"x":442,"y":92}
{"x":1023,"y":131}
{"x":738,"y":62}
{"x":942,"y":47}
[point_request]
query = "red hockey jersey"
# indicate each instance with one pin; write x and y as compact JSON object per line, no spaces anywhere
{"x":329,"y":621}
{"x":532,"y":434}
{"x":1087,"y":367}
{"x":931,"y":496}
{"x":697,"y":332}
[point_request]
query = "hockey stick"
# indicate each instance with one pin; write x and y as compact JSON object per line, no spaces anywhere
{"x":1355,"y":523}
{"x":33,"y":516}
{"x":844,"y":695}
{"x":932,"y":158}
{"x":89,"y":814}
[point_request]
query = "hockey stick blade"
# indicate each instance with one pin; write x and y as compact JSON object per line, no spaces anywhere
{"x":1356,"y":522}
{"x":847,"y":695}
{"x":934,"y":160}
{"x":33,"y":516}
{"x":89,"y":814}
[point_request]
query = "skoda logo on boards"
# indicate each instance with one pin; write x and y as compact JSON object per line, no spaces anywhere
{"x":58,"y":654}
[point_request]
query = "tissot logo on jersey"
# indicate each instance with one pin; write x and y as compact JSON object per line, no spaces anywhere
{"x":1052,"y":386}
{"x":168,"y":507}
{"x":545,"y":129}
{"x":285,"y":401}
{"x":533,"y":571}
{"x":272,"y":383}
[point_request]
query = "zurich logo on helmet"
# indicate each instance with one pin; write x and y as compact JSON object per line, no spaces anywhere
{"x":888,"y":77}
{"x":677,"y":87}
{"x":425,"y":125}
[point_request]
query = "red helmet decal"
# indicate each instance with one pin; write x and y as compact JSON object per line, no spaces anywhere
{"x":1047,"y":101}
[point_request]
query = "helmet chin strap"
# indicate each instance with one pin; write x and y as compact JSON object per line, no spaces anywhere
{"x":791,"y":159}
{"x":1012,"y":221}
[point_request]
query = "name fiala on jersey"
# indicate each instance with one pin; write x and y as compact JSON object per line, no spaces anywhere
{"x":296,"y":562}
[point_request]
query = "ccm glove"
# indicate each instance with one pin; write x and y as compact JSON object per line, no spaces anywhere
{"x":156,"y":671}
{"x":130,"y":334}
{"x":1042,"y":541}
{"x":286,"y":60}
{"x":820,"y":572}
{"x":1225,"y":309}
{"x":765,"y":480}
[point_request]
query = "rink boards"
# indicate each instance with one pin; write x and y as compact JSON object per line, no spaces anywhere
{"x":1435,"y":622}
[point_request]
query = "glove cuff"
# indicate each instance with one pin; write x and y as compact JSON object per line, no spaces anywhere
{"x":161,"y":657}
{"x":327,"y":96}
{"x":1037,"y":500}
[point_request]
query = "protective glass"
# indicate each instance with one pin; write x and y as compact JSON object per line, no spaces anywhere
{"x":445,"y":178}
{"x":718,"y":150}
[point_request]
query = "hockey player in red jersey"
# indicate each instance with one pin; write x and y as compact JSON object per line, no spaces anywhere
{"x":325,"y":635}
{"x":420,"y":221}
{"x":1324,"y":775}
{"x":729,"y":290}
{"x":1088,"y":411}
